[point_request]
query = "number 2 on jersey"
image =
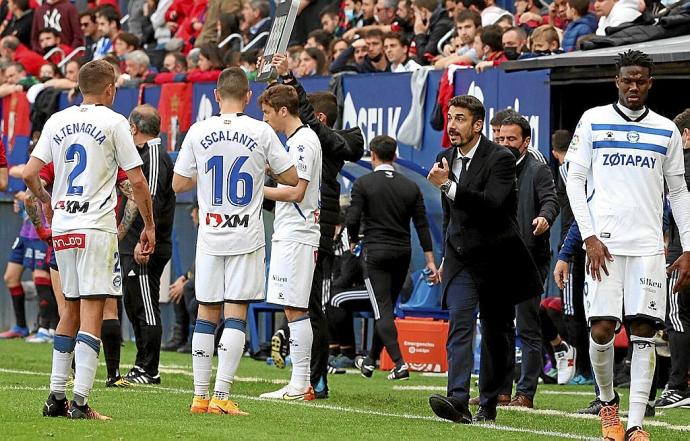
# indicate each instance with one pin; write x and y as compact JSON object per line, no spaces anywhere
{"x":75,"y":152}
{"x":235,"y":178}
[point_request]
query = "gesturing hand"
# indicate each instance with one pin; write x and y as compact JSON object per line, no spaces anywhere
{"x":597,"y":255}
{"x":541,"y":225}
{"x":439,"y":173}
{"x":682,"y":264}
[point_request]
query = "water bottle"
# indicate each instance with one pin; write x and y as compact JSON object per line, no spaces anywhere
{"x":426,"y":272}
{"x":358,"y":249}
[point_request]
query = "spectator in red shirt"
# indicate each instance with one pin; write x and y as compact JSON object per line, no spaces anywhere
{"x":12,"y":49}
{"x":488,"y":44}
{"x":60,"y":15}
{"x":528,"y":13}
{"x":175,"y":68}
{"x":49,"y":39}
{"x":3,"y":168}
{"x":209,"y":66}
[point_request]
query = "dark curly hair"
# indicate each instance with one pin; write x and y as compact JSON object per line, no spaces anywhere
{"x":634,"y":58}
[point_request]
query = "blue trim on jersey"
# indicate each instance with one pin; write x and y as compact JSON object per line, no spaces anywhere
{"x":299,"y":211}
{"x":204,"y":327}
{"x":93,"y":343}
{"x":592,"y":195}
{"x":630,"y":128}
{"x":629,"y":145}
{"x":233,"y":323}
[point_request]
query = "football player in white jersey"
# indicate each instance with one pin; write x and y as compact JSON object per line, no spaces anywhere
{"x":225,"y":158}
{"x":296,"y":235}
{"x":86,"y":143}
{"x":619,"y":158}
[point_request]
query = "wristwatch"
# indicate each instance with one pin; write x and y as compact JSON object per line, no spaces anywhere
{"x":446,"y":186}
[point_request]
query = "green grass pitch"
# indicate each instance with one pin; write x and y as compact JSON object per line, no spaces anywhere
{"x":358,"y":408}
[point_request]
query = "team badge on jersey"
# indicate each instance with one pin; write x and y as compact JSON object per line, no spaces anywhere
{"x":633,"y":137}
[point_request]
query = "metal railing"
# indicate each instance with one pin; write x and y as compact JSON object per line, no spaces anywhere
{"x":444,"y":39}
{"x":66,"y":59}
{"x":255,"y":41}
{"x":231,"y":37}
{"x":53,"y":51}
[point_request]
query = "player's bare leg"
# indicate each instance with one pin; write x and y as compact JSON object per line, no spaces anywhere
{"x":301,"y":340}
{"x":203,"y":341}
{"x":230,"y":349}
{"x":601,"y":354}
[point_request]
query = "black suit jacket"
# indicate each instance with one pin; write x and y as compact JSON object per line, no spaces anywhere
{"x":481,"y":230}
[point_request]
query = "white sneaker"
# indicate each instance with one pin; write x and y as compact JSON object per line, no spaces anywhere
{"x":42,"y":336}
{"x":288,"y":393}
{"x":565,"y":363}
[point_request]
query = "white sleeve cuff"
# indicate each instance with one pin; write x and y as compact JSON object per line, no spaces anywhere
{"x":451,"y":191}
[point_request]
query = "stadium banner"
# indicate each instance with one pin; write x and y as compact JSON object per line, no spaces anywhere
{"x":126,"y":99}
{"x":16,"y":133}
{"x":204,"y":103}
{"x":530,"y":94}
{"x":175,"y":115}
{"x":378,"y":103}
{"x":151,"y":94}
{"x":526,"y":92}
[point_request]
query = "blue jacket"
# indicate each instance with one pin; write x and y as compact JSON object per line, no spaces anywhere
{"x":582,"y":26}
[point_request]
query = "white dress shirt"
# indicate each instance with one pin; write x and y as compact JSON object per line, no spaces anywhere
{"x":457,"y":168}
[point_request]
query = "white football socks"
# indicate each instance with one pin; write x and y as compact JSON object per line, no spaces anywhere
{"x":86,"y":362}
{"x":641,"y":375}
{"x":301,"y":339}
{"x":203,"y":342}
{"x":63,"y":353}
{"x":230,"y":351}
{"x":601,"y":357}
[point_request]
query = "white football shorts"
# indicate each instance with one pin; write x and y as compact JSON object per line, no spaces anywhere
{"x":234,"y":279}
{"x":89,"y":264}
{"x":634,"y":288}
{"x":291,"y":273}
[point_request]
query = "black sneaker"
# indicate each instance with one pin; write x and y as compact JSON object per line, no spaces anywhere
{"x":84,"y":412}
{"x":671,"y":398}
{"x":119,"y":382}
{"x":332,"y":370}
{"x":144,"y":378}
{"x":592,"y":409}
{"x":280,"y":348}
{"x":54,"y":407}
{"x":485,"y":415}
{"x":365,"y":365}
{"x":401,"y":373}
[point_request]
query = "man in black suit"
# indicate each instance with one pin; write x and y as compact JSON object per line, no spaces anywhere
{"x":486,"y":264}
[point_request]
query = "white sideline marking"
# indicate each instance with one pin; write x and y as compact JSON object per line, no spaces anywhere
{"x":429,"y":388}
{"x":349,"y":410}
{"x":549,"y":412}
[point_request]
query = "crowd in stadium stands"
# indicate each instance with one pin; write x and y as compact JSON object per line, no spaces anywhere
{"x":205,"y":36}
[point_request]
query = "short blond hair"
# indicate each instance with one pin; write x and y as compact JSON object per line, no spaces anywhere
{"x":95,"y":76}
